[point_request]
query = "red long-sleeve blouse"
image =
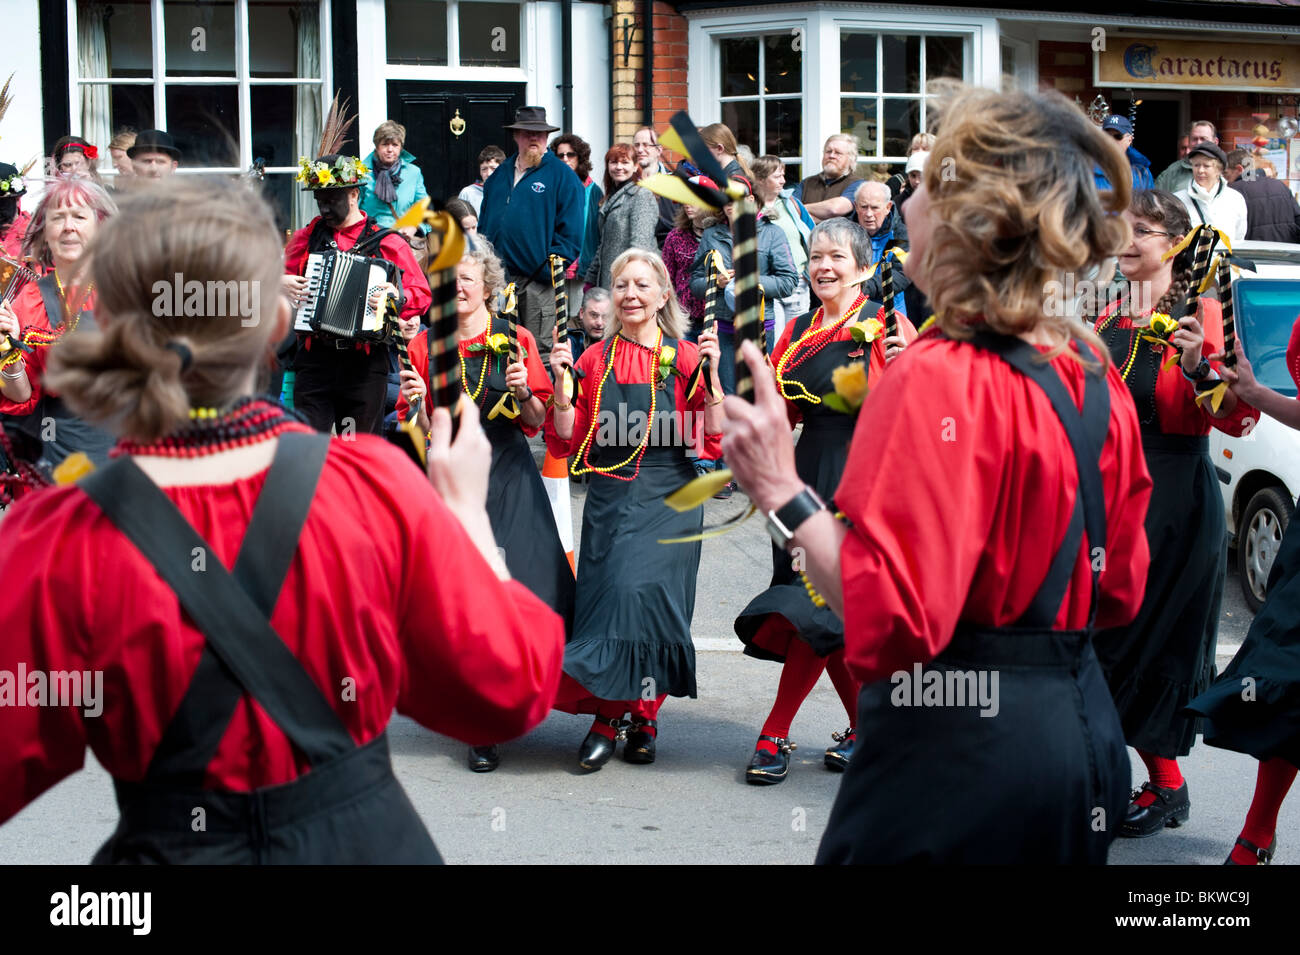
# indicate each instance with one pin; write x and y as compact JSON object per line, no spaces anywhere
{"x":30,"y":309}
{"x":538,"y":380}
{"x":632,"y":366}
{"x":393,"y":597}
{"x":960,"y":485}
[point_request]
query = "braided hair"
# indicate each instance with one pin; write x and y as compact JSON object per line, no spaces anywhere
{"x":1165,"y":210}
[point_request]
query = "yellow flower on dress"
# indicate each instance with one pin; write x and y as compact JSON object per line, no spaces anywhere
{"x":499,"y":343}
{"x":1163,"y":325}
{"x":73,"y":468}
{"x":850,"y":383}
{"x":867,"y":330}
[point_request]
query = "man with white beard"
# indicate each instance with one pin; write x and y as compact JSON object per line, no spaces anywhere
{"x":532,"y":209}
{"x":830,"y":193}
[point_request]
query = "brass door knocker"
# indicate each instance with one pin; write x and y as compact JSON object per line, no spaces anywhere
{"x":457,"y":124}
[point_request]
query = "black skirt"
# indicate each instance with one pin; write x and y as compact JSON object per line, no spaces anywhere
{"x":636,"y":597}
{"x":1042,"y":778}
{"x":1254,"y":706}
{"x":1165,"y":657}
{"x":523,"y":523}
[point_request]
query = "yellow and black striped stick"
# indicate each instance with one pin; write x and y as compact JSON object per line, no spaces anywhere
{"x":1229,"y":325}
{"x":444,"y":343}
{"x":560,"y":290}
{"x":887,"y":293}
{"x":744,"y":226}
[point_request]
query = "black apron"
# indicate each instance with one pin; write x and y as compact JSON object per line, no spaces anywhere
{"x":1165,"y":657}
{"x":349,"y":808}
{"x":1045,"y":780}
{"x":636,"y":597}
{"x":819,"y":458}
{"x":518,"y":506}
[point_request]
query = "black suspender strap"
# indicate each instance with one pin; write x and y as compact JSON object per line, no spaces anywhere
{"x":53,"y":302}
{"x":232,"y":613}
{"x":1086,"y":432}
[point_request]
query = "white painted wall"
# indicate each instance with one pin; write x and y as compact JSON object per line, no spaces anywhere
{"x":20,"y":132}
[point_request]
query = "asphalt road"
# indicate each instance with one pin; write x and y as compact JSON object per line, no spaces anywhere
{"x":692,"y":805}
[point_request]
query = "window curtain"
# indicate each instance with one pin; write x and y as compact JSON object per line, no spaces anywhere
{"x":92,"y":54}
{"x":307,"y":105}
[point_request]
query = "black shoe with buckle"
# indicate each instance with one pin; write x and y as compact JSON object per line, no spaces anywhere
{"x":768,"y":769}
{"x":484,"y":759}
{"x":725,"y":492}
{"x":837,"y":757}
{"x":597,"y":749}
{"x":1262,"y":856}
{"x":1170,"y":810}
{"x":640,"y":745}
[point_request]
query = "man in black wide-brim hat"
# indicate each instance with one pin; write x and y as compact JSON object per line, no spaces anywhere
{"x":532,"y":209}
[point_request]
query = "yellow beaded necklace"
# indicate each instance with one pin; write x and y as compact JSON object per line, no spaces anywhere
{"x":587,"y":467}
{"x":828,"y":332}
{"x":482,"y":377}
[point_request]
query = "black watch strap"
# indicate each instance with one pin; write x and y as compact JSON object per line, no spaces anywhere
{"x":782,"y":522}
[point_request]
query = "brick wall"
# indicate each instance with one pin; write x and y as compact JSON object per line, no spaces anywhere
{"x":668,"y":93}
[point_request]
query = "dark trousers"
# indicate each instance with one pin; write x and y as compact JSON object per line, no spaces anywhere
{"x":342,"y":388}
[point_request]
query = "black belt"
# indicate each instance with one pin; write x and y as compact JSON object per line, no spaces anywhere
{"x":1176,"y":443}
{"x":1013,"y":648}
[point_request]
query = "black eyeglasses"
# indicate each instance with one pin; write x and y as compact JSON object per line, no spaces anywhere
{"x":567,"y":155}
{"x":1143,"y":233}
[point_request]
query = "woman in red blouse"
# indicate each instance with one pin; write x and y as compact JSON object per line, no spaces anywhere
{"x":242,"y":715}
{"x":1157,"y":663}
{"x":60,"y":303}
{"x":635,"y":430}
{"x":974,"y":495}
{"x":512,"y":399}
{"x":782,"y":623}
{"x":1263,"y":722}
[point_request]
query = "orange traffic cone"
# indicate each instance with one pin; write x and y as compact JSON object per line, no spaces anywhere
{"x":555,"y":475}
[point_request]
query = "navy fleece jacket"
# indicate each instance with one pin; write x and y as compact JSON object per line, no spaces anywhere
{"x":541,"y":215}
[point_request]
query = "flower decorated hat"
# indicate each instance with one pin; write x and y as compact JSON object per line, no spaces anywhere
{"x":332,"y":169}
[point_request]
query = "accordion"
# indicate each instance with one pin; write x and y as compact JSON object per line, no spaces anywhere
{"x":337,"y":300}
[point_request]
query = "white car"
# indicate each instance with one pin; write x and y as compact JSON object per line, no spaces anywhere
{"x":1259,"y":473}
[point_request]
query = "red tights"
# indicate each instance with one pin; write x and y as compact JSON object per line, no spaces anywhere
{"x":803,"y":668}
{"x":1271,"y":785}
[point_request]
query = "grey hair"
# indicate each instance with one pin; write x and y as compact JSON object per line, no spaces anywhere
{"x":875,"y":186}
{"x":671,"y":318}
{"x":595,"y":293}
{"x":845,"y":138}
{"x":847,"y":234}
{"x":494,"y":273}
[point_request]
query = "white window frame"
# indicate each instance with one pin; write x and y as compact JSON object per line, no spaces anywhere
{"x":821,"y":25}
{"x":242,"y":79}
{"x":762,"y":97}
{"x":453,"y":71}
{"x":870,"y":155}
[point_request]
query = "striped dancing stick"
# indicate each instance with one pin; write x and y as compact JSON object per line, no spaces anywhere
{"x":745,"y":258}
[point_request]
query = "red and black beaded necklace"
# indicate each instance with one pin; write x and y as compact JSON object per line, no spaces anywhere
{"x":247,"y":421}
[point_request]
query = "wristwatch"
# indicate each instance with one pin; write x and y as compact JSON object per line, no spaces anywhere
{"x":782,"y":522}
{"x":1201,"y":371}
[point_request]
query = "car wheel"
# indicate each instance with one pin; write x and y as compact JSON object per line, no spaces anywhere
{"x":1259,"y":536}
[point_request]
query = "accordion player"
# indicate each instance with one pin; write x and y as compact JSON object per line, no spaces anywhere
{"x":341,"y":298}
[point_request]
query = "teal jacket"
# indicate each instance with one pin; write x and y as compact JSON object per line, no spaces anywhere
{"x":409,"y":191}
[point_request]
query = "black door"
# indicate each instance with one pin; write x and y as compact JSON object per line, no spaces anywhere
{"x":450,"y":162}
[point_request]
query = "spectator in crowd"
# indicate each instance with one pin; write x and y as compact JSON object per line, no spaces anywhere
{"x":117,"y":147}
{"x":1120,"y":129}
{"x":1179,"y":173}
{"x":463,"y":213}
{"x":154,"y":154}
{"x":13,"y":221}
{"x":1272,"y":213}
{"x":722,"y":143}
{"x":576,"y":154}
{"x":1264,"y":165}
{"x":679,"y":257}
{"x":489,"y":158}
{"x":914,"y":169}
{"x":649,"y":159}
{"x":74,"y":156}
{"x":628,"y":214}
{"x":831,"y":192}
{"x":592,"y":318}
{"x":1208,"y":198}
{"x":531,"y":210}
{"x":395,"y":183}
{"x":1184,"y":146}
{"x":886,"y":229}
{"x":921,"y":142}
{"x":779,"y":206}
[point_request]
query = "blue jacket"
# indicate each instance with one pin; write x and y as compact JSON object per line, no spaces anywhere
{"x":540,"y":216}
{"x":775,"y":265}
{"x":892,"y":234}
{"x":409,"y":191}
{"x":1141,"y":167}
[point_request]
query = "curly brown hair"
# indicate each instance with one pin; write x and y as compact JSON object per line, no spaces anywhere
{"x":1014,"y":207}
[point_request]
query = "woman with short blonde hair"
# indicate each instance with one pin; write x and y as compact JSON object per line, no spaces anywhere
{"x":975,"y":434}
